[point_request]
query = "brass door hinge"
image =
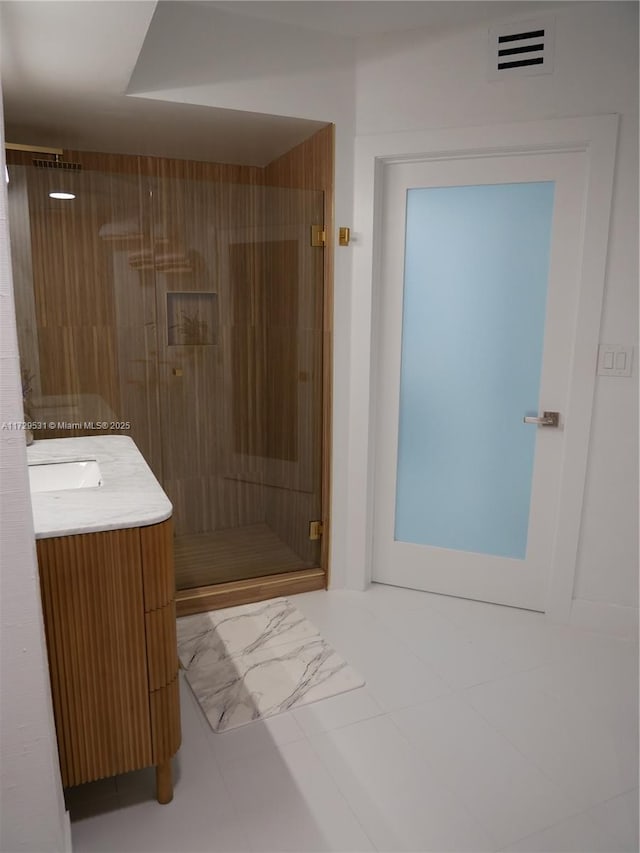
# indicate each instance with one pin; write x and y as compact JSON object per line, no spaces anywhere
{"x":344,"y":236}
{"x":318,"y":235}
{"x":315,"y":529}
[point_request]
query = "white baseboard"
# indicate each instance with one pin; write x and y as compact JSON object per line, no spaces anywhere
{"x":604,"y":618}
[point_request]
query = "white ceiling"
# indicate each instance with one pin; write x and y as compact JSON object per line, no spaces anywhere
{"x":356,"y":18}
{"x":66,"y":66}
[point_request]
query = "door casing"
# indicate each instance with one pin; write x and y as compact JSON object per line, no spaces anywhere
{"x":596,"y":136}
{"x":519,"y":581}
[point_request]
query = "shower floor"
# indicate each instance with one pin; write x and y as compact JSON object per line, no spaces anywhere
{"x":237,"y":553}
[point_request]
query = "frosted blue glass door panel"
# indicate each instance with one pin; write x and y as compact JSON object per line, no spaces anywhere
{"x":475,"y":287}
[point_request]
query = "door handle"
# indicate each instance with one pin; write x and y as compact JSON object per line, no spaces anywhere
{"x":548,"y":419}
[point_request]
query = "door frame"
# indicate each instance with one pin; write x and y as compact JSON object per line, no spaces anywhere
{"x":596,"y":138}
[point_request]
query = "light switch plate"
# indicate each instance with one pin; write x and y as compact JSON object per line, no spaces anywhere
{"x":614,"y":360}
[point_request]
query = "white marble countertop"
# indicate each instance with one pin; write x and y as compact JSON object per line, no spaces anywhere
{"x":130,"y":495}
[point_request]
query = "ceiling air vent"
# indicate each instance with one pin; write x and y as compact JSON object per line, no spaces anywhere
{"x":524,"y":47}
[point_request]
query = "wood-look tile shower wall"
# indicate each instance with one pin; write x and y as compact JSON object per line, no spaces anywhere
{"x":110,"y":292}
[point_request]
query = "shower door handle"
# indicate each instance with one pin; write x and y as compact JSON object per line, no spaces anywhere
{"x":548,"y":419}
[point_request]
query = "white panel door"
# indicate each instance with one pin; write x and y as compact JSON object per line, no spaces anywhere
{"x":480,"y":271}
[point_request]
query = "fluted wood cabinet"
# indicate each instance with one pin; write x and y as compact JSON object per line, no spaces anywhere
{"x":109,"y":612}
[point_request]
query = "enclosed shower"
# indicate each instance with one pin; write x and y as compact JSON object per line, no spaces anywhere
{"x":182,"y":304}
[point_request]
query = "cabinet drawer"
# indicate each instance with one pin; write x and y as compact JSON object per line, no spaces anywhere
{"x":94,"y":619}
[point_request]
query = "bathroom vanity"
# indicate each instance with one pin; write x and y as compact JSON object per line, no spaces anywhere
{"x":105,"y":554}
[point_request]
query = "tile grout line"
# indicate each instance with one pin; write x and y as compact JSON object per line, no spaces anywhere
{"x":444,"y":783}
{"x":340,"y":791}
{"x":571,"y":816}
{"x":559,"y":785}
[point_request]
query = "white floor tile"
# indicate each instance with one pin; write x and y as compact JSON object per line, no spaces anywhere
{"x":459,"y":659}
{"x":380,"y":599}
{"x":505,"y":791}
{"x":603,"y":678}
{"x":198,"y":819}
{"x":337,"y":711}
{"x":479,"y":728}
{"x":578,"y":834}
{"x":398,"y":799}
{"x":395,"y":676}
{"x":288,"y":802}
{"x":340,"y":617}
{"x":618,"y":818}
{"x":261,"y":736}
{"x":567,"y":740}
{"x":469,"y":614}
{"x":527,"y":639}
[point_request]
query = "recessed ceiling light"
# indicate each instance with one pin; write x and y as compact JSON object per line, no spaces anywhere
{"x":62,"y":195}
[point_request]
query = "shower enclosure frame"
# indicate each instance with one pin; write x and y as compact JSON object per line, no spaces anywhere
{"x":308,"y":166}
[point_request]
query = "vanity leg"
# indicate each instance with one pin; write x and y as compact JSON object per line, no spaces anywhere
{"x":164,"y":782}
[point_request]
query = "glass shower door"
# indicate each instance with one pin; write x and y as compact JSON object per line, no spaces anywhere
{"x":239,"y":306}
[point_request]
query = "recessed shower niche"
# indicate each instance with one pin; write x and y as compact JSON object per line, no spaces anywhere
{"x":186,"y":300}
{"x":192,"y":318}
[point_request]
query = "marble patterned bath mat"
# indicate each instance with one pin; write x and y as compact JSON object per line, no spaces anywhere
{"x":250,"y":662}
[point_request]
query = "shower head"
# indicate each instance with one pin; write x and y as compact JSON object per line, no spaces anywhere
{"x":58,"y":163}
{"x":40,"y":163}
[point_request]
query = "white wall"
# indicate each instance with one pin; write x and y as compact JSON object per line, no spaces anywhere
{"x":407,"y":82}
{"x":33,"y":816}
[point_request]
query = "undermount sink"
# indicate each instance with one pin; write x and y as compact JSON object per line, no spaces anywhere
{"x":60,"y":476}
